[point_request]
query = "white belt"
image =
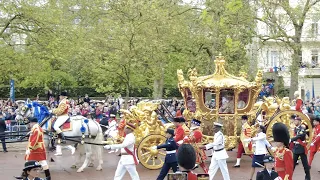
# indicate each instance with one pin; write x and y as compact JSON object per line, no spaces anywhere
{"x":171,"y":152}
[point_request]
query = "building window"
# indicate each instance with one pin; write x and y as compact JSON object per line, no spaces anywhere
{"x":314,"y":29}
{"x":274,"y":58}
{"x":314,"y":58}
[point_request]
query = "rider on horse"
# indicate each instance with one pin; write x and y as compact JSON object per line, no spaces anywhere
{"x":62,"y":114}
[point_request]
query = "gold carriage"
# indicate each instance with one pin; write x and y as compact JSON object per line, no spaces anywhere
{"x":222,"y":97}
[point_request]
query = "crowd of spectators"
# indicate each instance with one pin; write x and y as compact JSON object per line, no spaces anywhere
{"x":312,"y":106}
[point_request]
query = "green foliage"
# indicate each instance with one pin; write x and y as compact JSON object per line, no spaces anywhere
{"x":122,"y":46}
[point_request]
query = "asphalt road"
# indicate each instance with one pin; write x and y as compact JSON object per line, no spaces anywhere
{"x":11,"y":164}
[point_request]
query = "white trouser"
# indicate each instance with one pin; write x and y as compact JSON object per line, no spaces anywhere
{"x":121,"y":171}
{"x":215,"y":165}
{"x":59,"y":122}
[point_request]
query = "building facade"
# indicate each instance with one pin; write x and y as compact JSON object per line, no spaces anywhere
{"x":274,"y":56}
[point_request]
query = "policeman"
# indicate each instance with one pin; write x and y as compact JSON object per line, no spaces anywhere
{"x":299,"y":148}
{"x":170,"y":159}
{"x":268,"y":173}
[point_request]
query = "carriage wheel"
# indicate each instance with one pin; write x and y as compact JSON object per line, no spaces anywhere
{"x":284,"y":117}
{"x":149,"y":158}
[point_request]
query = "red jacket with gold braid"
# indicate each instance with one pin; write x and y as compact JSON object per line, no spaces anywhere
{"x":36,"y":145}
{"x":315,"y":139}
{"x":299,"y":104}
{"x":284,"y":162}
{"x":179,"y":134}
{"x":63,"y":108}
{"x":196,"y":137}
{"x":121,"y":127}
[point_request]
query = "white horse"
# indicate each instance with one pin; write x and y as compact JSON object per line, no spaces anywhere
{"x":79,"y":126}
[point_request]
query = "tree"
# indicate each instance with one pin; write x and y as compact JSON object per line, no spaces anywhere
{"x":280,"y":17}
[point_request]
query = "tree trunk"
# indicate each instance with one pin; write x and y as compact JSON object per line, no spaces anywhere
{"x":294,"y":70}
{"x":127,"y":95}
{"x":158,"y":86}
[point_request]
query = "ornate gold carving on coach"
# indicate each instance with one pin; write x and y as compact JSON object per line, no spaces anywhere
{"x":219,"y":96}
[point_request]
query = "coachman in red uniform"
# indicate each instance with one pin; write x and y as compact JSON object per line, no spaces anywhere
{"x":121,"y":126}
{"x":283,"y":156}
{"x":36,"y":149}
{"x":194,"y":138}
{"x":315,"y":143}
{"x":179,"y":132}
{"x":299,"y":101}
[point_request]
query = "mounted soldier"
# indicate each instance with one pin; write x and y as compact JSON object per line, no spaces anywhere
{"x":62,"y":114}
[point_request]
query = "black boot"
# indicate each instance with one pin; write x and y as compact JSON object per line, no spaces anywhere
{"x":62,"y":137}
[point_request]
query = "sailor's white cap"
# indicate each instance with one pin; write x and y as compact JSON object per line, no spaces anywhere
{"x":217,"y":124}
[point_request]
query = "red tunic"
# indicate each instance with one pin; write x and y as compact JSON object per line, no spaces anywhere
{"x":36,"y":145}
{"x":192,"y":176}
{"x":121,"y":127}
{"x":194,"y":138}
{"x":299,"y":104}
{"x":284,"y":162}
{"x":315,"y":139}
{"x":179,"y":134}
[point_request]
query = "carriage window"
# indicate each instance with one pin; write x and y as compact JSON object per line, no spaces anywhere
{"x":226,"y":103}
{"x":209,"y":98}
{"x":243,"y":99}
{"x":190,"y":101}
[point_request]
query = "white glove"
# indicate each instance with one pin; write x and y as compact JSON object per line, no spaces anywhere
{"x":107,"y":147}
{"x":273,"y":149}
{"x":180,"y":142}
{"x":50,"y":111}
{"x":154,"y":147}
{"x":28,"y":152}
{"x":312,"y":144}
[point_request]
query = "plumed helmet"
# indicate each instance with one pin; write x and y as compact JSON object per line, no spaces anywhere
{"x":186,"y":156}
{"x":280,"y":133}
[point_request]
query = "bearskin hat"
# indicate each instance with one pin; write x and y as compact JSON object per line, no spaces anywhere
{"x":186,"y":156}
{"x":280,"y":133}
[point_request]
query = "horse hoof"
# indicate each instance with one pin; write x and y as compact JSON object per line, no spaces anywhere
{"x":99,"y":168}
{"x":79,"y":170}
{"x":91,"y":165}
{"x":73,"y":166}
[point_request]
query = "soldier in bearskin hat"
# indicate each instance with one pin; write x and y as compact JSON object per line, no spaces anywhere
{"x":186,"y":157}
{"x":283,"y":156}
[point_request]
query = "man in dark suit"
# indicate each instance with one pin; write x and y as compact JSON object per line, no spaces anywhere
{"x":268,"y":173}
{"x":300,"y":147}
{"x":3,"y":128}
{"x":171,"y":158}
